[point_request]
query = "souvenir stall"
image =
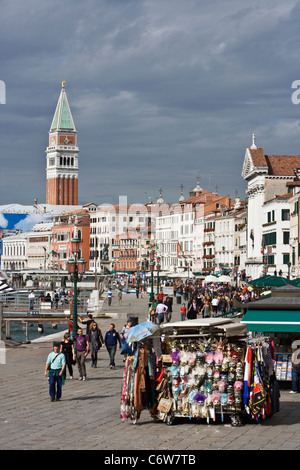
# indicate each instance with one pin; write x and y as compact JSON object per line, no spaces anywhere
{"x":206,"y":369}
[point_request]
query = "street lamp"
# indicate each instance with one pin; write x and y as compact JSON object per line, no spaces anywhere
{"x":76,"y":268}
{"x":152,"y":263}
{"x":158,"y":269}
{"x":138,"y":275}
{"x":289,"y":267}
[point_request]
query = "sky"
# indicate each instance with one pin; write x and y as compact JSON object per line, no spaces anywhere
{"x":160,"y":91}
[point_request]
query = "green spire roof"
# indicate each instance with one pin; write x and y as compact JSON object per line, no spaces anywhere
{"x":62,"y":119}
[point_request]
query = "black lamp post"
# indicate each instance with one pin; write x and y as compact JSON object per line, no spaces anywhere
{"x":152,"y":263}
{"x":289,"y":267}
{"x":76,"y":268}
{"x":158,"y":269}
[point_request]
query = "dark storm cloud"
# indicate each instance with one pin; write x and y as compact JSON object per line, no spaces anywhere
{"x":159,"y":91}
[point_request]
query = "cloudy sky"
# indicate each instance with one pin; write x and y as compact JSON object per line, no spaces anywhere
{"x":160,"y":90}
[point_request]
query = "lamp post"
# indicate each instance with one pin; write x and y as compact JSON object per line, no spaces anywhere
{"x":158,"y":269}
{"x":76,"y":268}
{"x":138,"y":275}
{"x":152,"y":263}
{"x":289,"y":267}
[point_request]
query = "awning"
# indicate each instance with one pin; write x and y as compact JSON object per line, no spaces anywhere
{"x":230,"y":327}
{"x":272,"y":320}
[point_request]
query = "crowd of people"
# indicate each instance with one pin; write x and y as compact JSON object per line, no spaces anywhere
{"x":200,"y":300}
{"x":74,"y":349}
{"x":58,"y":298}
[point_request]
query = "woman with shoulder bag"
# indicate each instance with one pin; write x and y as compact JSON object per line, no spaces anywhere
{"x":67,"y":348}
{"x":96,"y":341}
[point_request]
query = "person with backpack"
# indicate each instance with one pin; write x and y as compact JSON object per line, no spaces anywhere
{"x":54,"y":370}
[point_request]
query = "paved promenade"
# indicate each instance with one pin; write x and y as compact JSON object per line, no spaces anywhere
{"x":87,"y":417}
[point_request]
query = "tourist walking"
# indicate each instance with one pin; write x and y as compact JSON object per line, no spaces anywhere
{"x":111,"y":340}
{"x":96,"y":341}
{"x":120,"y":296}
{"x":215,"y":305}
{"x":205,"y":311}
{"x":183,"y":312}
{"x":192,"y":310}
{"x":87,"y":322}
{"x":295,"y":367}
{"x":161,"y":309}
{"x":109,"y":296}
{"x":168,"y":303}
{"x":31,"y":298}
{"x":67,"y":348}
{"x":82,"y":350}
{"x":54,"y":369}
{"x":56,"y":300}
{"x":126,"y":349}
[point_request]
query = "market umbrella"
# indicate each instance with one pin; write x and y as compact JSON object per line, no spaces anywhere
{"x":224,"y":279}
{"x":210,"y":278}
{"x":269,"y":281}
{"x":141,"y":331}
{"x":295,"y":282}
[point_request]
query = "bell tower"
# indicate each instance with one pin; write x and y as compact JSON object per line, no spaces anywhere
{"x":62,"y":156}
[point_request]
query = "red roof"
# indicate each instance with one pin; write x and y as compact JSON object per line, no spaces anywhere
{"x":278,"y":165}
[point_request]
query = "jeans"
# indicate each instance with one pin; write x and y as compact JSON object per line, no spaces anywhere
{"x":296,"y":379}
{"x":112,"y":352}
{"x":55,"y":385}
{"x":80,"y":356}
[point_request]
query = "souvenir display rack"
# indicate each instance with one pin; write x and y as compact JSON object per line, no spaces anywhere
{"x":200,"y":377}
{"x":201,"y":374}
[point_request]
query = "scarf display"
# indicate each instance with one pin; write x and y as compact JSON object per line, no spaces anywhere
{"x":138,"y":390}
{"x":258,"y":377}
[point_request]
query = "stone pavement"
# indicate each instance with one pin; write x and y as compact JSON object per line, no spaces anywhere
{"x":88,"y":418}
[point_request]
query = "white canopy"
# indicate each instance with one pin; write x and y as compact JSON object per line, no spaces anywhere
{"x":224,"y":279}
{"x":210,"y":278}
{"x":231,"y":327}
{"x":183,"y":275}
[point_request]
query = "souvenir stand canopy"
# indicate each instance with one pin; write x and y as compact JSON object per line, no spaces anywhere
{"x":204,"y":369}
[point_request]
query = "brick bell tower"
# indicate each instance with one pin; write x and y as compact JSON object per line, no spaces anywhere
{"x":62,"y":156}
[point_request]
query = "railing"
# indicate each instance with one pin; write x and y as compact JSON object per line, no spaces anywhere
{"x":20,"y":303}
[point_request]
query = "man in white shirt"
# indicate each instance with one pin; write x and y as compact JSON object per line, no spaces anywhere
{"x":31,"y":298}
{"x":161,"y":309}
{"x":215,"y":304}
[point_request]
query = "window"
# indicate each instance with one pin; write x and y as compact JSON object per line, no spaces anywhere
{"x":270,"y":259}
{"x":286,"y":258}
{"x":271,"y":216}
{"x":270,"y":238}
{"x":285,"y":214}
{"x":286,"y":238}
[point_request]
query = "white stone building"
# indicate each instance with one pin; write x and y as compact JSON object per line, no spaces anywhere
{"x":267,"y":176}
